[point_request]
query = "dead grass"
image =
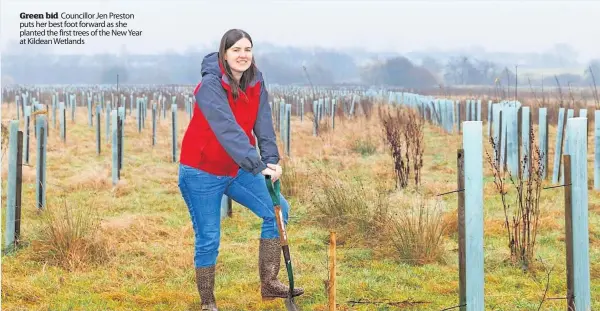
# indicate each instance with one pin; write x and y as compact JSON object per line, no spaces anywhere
{"x":5,"y":136}
{"x":342,"y":206}
{"x":97,"y":177}
{"x":69,"y":237}
{"x":364,"y":147}
{"x":343,"y":177}
{"x":450,"y":223}
{"x":295,"y":179}
{"x":419,"y":232}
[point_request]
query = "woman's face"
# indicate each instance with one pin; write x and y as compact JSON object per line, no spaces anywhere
{"x":239,"y":56}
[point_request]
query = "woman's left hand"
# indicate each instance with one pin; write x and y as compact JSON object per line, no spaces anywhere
{"x":278,"y":171}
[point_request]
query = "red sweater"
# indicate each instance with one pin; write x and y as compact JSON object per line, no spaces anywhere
{"x":219,"y":137}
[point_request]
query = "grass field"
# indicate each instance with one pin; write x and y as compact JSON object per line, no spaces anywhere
{"x":130,"y":247}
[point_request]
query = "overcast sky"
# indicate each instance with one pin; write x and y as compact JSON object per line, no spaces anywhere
{"x":402,"y":26}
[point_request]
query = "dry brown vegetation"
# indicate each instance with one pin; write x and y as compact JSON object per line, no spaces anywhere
{"x":130,"y":246}
{"x":419,"y":234}
{"x":70,"y":237}
{"x":522,"y":206}
{"x":404,"y":129}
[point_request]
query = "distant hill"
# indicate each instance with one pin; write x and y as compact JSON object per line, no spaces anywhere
{"x":294,"y":65}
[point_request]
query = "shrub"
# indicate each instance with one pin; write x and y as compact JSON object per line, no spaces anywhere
{"x":521,"y":219}
{"x":404,"y":133}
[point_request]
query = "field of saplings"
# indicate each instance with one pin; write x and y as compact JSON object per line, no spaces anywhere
{"x":399,"y":201}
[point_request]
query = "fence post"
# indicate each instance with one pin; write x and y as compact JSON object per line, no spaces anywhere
{"x":333,"y":104}
{"x":577,"y":147}
{"x":568,"y":232}
{"x":525,"y":141}
{"x":26,"y":136}
{"x":442,"y":104}
{"x":174,"y":129}
{"x":570,"y":114}
{"x":331,"y":285}
{"x":54,"y":107}
{"x":496,"y":125}
{"x":226,"y":206}
{"x":154,"y":124}
{"x":108,"y":120}
{"x":583,"y":114}
{"x":124,"y":101}
{"x":18,"y":106}
{"x":469,"y":110}
{"x":121,"y":119}
{"x":504,"y":115}
{"x":512,"y":141}
{"x":558,"y":145}
{"x":89,"y":106}
{"x":352,"y":105}
{"x":62,"y":121}
{"x":145,"y":110}
{"x":138,"y":110}
{"x":98,"y":130}
{"x":315,"y":119}
{"x":164,"y":108}
{"x":281,"y":111}
{"x":543,"y":143}
{"x":288,"y":127}
{"x":13,"y":193}
{"x":449,"y":114}
{"x":473,"y":148}
{"x":115,"y":146}
{"x":73,"y":105}
{"x":460,"y":159}
{"x":301,"y":109}
{"x":40,"y":187}
{"x":458,"y":117}
{"x":489,"y":118}
{"x":597,"y":150}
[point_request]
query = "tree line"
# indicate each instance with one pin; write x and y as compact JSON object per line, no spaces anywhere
{"x":281,"y":66}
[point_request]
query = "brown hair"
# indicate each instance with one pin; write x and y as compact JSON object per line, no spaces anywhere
{"x":229,"y":38}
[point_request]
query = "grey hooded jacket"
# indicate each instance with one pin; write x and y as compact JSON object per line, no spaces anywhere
{"x":212,"y":101}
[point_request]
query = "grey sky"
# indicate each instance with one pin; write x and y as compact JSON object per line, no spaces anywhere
{"x":527,"y":26}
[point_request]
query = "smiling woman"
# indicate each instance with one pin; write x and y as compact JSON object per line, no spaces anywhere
{"x":235,"y":55}
{"x":219,"y":157}
{"x":239,"y":59}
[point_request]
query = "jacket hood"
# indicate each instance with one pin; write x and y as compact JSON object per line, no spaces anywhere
{"x":210,"y":65}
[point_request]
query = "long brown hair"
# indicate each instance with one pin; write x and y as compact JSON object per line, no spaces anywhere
{"x":229,"y":38}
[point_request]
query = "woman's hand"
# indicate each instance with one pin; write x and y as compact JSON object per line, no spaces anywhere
{"x":276,"y":171}
{"x":268,"y":171}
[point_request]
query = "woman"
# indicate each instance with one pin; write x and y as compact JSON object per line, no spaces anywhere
{"x":218,"y":156}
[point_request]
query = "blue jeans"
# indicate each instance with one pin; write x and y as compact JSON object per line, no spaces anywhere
{"x":202,"y":193}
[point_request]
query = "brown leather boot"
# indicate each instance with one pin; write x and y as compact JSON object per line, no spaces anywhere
{"x":269,"y":260}
{"x":205,"y":281}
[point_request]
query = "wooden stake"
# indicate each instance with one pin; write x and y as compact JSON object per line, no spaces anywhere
{"x":568,"y":232}
{"x":462,"y":300}
{"x":331,"y":285}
